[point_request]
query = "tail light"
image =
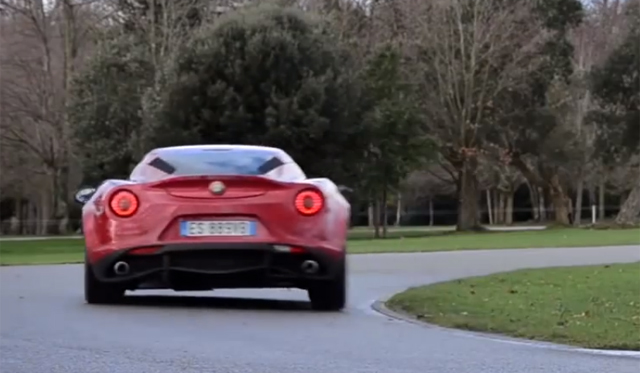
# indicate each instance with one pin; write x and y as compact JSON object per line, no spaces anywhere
{"x":124,"y":203}
{"x":309,"y":202}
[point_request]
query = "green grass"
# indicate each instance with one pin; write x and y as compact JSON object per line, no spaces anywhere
{"x":449,"y":241}
{"x":593,"y":307}
{"x":52,"y":251}
{"x":66,"y":250}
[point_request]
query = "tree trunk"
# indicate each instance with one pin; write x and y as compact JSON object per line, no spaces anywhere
{"x":508,"y":219}
{"x":17,"y":213}
{"x":370,"y":215}
{"x":54,"y":203}
{"x":592,"y":194}
{"x":430,"y":211}
{"x":497,"y":216}
{"x":542,"y":203}
{"x":398,"y":210}
{"x":601,"y":194}
{"x":70,"y":54}
{"x":496,"y":207}
{"x":631,"y":208}
{"x":577,"y":215}
{"x":62,"y":208}
{"x":535,"y":204}
{"x":24,"y":217}
{"x":569,"y":203}
{"x":501,"y":207}
{"x":376,"y":218}
{"x":558,"y":201}
{"x":385,"y":212}
{"x":489,"y":209}
{"x":29,"y":218}
{"x":43,"y":214}
{"x":622,"y":199}
{"x":468,"y":196}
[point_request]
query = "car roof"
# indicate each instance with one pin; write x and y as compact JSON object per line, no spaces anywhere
{"x":173,"y":149}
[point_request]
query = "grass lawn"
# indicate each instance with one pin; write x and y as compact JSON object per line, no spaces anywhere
{"x":69,"y":250}
{"x":593,"y":307}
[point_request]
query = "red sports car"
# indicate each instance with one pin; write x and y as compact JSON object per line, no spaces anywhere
{"x":216,"y":216}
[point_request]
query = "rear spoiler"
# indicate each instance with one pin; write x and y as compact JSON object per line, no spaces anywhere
{"x":254,"y":180}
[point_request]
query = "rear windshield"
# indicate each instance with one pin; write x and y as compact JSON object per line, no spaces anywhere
{"x":216,"y":162}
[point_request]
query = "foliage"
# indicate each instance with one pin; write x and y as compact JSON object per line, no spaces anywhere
{"x":617,"y":86}
{"x":396,"y":127}
{"x":105,"y":113}
{"x":272,"y":76}
{"x":361,"y":93}
{"x":536,"y":129}
{"x":528,"y":121}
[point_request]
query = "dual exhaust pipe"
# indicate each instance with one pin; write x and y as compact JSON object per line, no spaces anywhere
{"x":309,"y":267}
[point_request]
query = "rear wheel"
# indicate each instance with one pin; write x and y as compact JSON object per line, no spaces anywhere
{"x":96,"y":292}
{"x":330,"y":295}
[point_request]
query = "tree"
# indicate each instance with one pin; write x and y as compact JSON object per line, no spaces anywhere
{"x":617,"y":86}
{"x":161,"y":25}
{"x":106,"y":108}
{"x":398,"y":142}
{"x":272,"y":76}
{"x":533,"y":124}
{"x":41,"y":49}
{"x":467,"y":54}
{"x":114,"y":93}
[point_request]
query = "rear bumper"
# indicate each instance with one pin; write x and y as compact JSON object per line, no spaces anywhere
{"x":208,"y":265}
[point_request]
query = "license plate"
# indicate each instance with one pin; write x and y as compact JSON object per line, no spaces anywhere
{"x":217,"y":228}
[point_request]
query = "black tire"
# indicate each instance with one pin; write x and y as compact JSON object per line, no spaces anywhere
{"x":330,"y":295}
{"x":96,"y":292}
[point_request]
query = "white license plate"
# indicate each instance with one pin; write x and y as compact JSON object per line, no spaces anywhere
{"x":217,"y":228}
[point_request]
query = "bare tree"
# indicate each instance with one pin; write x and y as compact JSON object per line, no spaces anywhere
{"x":467,"y":53}
{"x":594,"y":40}
{"x":29,"y":93}
{"x":40,"y":49}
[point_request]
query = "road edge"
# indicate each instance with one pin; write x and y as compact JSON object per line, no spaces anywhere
{"x":381,"y":307}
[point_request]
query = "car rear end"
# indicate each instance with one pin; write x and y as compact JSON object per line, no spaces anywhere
{"x":198,"y":232}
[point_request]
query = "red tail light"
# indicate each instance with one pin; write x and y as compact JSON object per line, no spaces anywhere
{"x":309,"y":202}
{"x":124,"y":203}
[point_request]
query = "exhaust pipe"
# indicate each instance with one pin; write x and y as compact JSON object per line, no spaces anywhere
{"x":121,"y":268}
{"x":310,"y":267}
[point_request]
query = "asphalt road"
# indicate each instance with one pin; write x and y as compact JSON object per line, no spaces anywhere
{"x":46,"y":327}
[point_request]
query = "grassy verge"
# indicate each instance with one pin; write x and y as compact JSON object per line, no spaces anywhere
{"x":593,"y":307}
{"x":66,"y":250}
{"x":449,"y":241}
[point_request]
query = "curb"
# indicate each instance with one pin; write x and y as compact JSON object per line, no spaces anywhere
{"x":381,"y":307}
